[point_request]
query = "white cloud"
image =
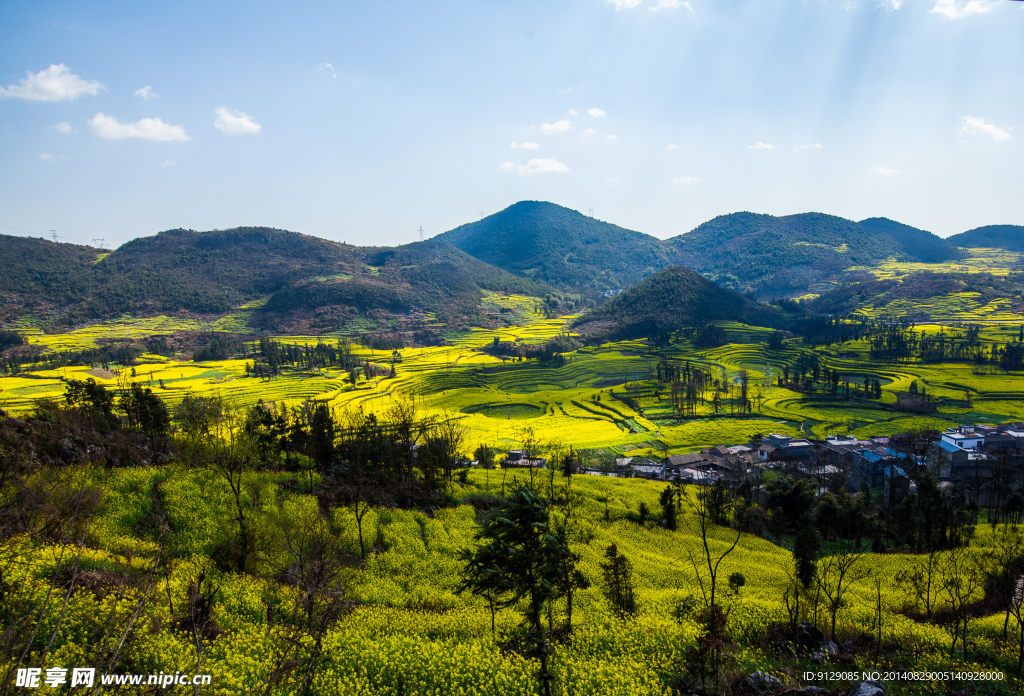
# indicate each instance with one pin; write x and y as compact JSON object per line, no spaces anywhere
{"x":762,"y":146}
{"x":686,"y":180}
{"x":591,"y":133}
{"x":572,"y":112}
{"x":596,"y":113}
{"x":535,"y":166}
{"x":891,"y":5}
{"x":147,"y":128}
{"x":168,"y":163}
{"x":327,"y":67}
{"x":525,"y":146}
{"x":808,"y":146}
{"x":955,"y":9}
{"x":884,"y":171}
{"x":147,"y":93}
{"x":65,"y":127}
{"x":625,"y":4}
{"x":673,"y":146}
{"x":556,"y":127}
{"x":234,"y":122}
{"x":671,"y":5}
{"x":56,"y":83}
{"x":615,"y":181}
{"x":975,"y":125}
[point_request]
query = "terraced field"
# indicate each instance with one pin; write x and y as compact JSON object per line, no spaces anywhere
{"x":579,"y":402}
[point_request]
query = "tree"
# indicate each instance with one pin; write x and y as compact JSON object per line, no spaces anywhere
{"x":833,"y":578}
{"x":705,"y":562}
{"x":921,"y":582}
{"x":736,"y":581}
{"x":198,"y":416}
{"x":961,"y":578}
{"x":806,"y":545}
{"x":144,"y":410}
{"x":520,"y":555}
{"x":618,"y":583}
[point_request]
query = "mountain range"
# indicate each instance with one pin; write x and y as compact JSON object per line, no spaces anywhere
{"x":531,"y":248}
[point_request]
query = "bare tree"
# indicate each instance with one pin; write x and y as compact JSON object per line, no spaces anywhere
{"x":706,"y":561}
{"x":961,"y":578}
{"x":921,"y":582}
{"x":835,"y":575}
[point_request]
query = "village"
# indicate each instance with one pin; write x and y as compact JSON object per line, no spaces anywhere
{"x":981,"y":463}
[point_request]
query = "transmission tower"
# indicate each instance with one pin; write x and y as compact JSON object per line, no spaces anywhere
{"x":591,"y":211}
{"x":53,"y":233}
{"x":421,"y":233}
{"x":481,"y":215}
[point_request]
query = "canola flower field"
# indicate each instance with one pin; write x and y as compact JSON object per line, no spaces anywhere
{"x":411,"y":632}
{"x":580,"y":401}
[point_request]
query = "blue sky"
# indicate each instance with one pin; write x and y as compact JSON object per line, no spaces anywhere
{"x":364,"y":121}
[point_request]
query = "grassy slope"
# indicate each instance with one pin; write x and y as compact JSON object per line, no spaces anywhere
{"x":448,"y":647}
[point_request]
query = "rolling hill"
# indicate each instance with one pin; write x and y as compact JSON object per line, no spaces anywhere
{"x":560,"y":246}
{"x":669,"y":300}
{"x":778,"y":256}
{"x":1009,"y":237}
{"x":771,"y":256}
{"x":217,"y":271}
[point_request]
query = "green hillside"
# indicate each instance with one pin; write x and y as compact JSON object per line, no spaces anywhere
{"x":561,"y":247}
{"x":37,"y":275}
{"x":998,"y":236}
{"x":214,"y":272}
{"x":776,"y":256}
{"x":667,"y":301}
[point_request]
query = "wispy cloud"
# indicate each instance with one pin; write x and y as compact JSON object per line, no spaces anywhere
{"x":168,"y":163}
{"x":673,"y":146}
{"x":625,"y":4}
{"x":327,"y":67}
{"x":56,"y":83}
{"x":591,"y":133}
{"x":65,"y":127}
{"x":596,"y":113}
{"x":147,"y":129}
{"x":956,"y":9}
{"x":147,"y":93}
{"x":975,"y":125}
{"x":671,"y":5}
{"x":556,"y":127}
{"x":234,"y":122}
{"x":525,"y":146}
{"x":686,"y":180}
{"x":615,"y":181}
{"x":46,"y":157}
{"x":761,"y":146}
{"x":808,"y":146}
{"x":891,"y":5}
{"x":884,"y":171}
{"x":535,"y":166}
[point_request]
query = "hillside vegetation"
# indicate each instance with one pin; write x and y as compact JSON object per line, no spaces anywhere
{"x":670,"y":300}
{"x":778,"y":256}
{"x":999,"y":236}
{"x":561,"y":246}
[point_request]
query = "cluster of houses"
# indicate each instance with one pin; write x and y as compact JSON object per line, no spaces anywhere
{"x":962,"y":455}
